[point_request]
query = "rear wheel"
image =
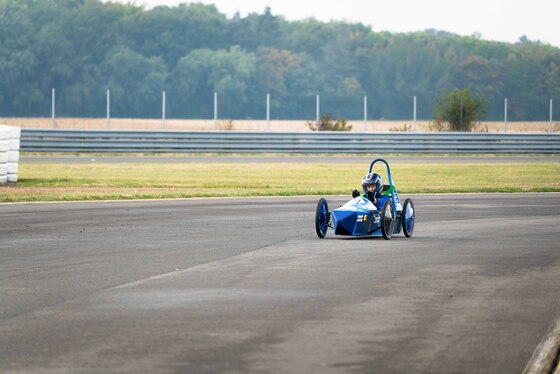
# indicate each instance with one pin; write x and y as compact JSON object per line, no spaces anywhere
{"x":408,"y":217}
{"x":322,"y":218}
{"x":387,"y":219}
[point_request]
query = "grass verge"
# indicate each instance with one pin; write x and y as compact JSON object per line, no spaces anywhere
{"x":108,"y":181}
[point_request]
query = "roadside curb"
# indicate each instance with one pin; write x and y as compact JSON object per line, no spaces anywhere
{"x":545,"y":359}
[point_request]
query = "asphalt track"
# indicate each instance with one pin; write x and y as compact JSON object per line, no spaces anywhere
{"x":244,"y":285}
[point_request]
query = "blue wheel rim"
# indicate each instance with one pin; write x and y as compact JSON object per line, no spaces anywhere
{"x":321,"y":219}
{"x":409,"y":217}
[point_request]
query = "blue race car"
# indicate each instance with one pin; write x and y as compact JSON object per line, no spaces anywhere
{"x":364,"y":217}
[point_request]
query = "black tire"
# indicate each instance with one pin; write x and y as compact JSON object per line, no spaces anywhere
{"x":322,"y":218}
{"x":387,"y":219}
{"x":408,"y":218}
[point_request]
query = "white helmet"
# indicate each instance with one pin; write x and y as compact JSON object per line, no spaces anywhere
{"x":372,"y":179}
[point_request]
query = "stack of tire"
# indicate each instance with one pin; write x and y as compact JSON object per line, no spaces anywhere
{"x":9,"y":153}
{"x":4,"y":147}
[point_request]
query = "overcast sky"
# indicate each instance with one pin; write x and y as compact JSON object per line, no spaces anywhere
{"x":502,"y":20}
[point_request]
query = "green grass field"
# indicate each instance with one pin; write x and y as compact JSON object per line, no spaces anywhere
{"x":108,"y":181}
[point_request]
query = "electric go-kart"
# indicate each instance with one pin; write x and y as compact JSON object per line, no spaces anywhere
{"x":361,"y":217}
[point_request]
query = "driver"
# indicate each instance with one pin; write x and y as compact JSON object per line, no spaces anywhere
{"x":372,"y":185}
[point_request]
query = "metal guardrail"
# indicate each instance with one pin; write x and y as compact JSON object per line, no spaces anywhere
{"x":61,"y":140}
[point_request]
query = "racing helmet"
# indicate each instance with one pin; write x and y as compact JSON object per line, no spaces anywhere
{"x":372,"y":179}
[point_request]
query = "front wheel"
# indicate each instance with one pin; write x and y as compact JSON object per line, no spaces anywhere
{"x":408,"y":217}
{"x":387,"y":219}
{"x":322,"y":218}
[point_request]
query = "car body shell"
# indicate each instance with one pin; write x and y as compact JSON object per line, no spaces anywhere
{"x":361,"y":217}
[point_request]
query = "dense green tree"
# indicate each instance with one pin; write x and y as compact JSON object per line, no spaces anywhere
{"x":309,"y":36}
{"x":532,"y":78}
{"x":291,"y":79}
{"x":272,"y":67}
{"x":130,"y":77}
{"x":257,"y":30}
{"x":173,"y":32}
{"x":202,"y":72}
{"x":18,"y":62}
{"x":83,"y":47}
{"x":460,"y":110}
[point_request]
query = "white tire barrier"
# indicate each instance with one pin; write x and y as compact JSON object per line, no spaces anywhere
{"x":12,"y":168}
{"x":4,"y":147}
{"x":9,"y":153}
{"x":3,"y":172}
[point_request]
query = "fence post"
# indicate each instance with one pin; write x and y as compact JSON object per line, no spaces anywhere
{"x":365,"y":113}
{"x":505,"y":116}
{"x":318,"y":111}
{"x":215,"y":110}
{"x":414,"y":115}
{"x":268,"y":111}
{"x":108,"y":109}
{"x":461,"y":114}
{"x":52,"y":107}
{"x":550,"y":117}
{"x":163,"y":109}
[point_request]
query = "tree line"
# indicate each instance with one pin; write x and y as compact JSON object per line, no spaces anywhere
{"x":84,"y":47}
